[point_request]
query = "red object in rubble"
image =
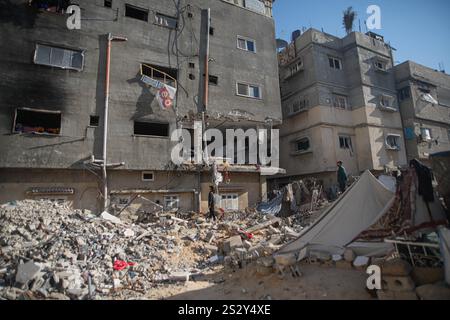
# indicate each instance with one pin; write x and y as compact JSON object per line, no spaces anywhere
{"x":120,"y":265}
{"x":248,"y":235}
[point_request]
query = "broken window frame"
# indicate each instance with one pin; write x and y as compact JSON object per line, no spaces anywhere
{"x":14,"y":128}
{"x":65,"y":49}
{"x":396,"y":145}
{"x":345,"y":142}
{"x":170,"y":200}
{"x":144,"y":11}
{"x":143,"y":173}
{"x":162,"y":20}
{"x":246,"y":40}
{"x":107,"y":3}
{"x":389,"y":99}
{"x":340,"y":101}
{"x":169,"y":75}
{"x":296,"y":67}
{"x":380,"y":65}
{"x":297,"y":142}
{"x":249,"y":86}
{"x":335,"y":63}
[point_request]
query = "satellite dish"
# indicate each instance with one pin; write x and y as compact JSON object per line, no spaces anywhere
{"x":281,"y":44}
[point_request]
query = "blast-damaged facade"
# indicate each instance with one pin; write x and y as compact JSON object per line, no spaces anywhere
{"x":424,"y":96}
{"x":339,"y":103}
{"x":52,"y":98}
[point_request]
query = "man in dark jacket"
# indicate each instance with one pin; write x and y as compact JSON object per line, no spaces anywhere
{"x":211,"y":204}
{"x":341,"y":177}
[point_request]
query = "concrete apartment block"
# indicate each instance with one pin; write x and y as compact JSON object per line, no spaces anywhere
{"x":424,"y":96}
{"x":339,"y":102}
{"x":55,"y":163}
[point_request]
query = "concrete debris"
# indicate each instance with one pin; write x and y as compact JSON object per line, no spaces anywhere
{"x":109,"y":217}
{"x":232,"y":243}
{"x":285,"y":259}
{"x":52,"y":251}
{"x":398,"y":283}
{"x":396,"y":267}
{"x":349,"y":255}
{"x":434,"y":292}
{"x":27,"y":272}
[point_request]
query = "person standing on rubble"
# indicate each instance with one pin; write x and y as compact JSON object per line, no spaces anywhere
{"x":341,"y":176}
{"x":211,"y":204}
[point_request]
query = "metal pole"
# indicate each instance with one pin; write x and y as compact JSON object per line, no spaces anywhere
{"x":105,"y":125}
{"x":206,"y":93}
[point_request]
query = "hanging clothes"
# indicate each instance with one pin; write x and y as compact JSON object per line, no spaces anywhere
{"x":425,"y":177}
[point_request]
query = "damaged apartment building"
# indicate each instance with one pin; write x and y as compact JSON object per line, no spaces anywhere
{"x":53,"y":97}
{"x":339,"y":103}
{"x":424,"y":96}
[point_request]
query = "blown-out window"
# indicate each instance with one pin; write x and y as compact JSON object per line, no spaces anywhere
{"x":151,"y":129}
{"x":136,"y":12}
{"x":37,"y":121}
{"x":59,"y":57}
{"x":393,"y":142}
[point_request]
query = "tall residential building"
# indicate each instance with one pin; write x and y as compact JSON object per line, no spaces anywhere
{"x":52,"y":98}
{"x":339,"y":102}
{"x":424,"y":96}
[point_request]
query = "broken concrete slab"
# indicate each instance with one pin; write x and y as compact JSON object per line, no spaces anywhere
{"x":423,"y":276}
{"x":398,"y":283}
{"x":179,"y":276}
{"x":26,"y":272}
{"x":231,"y":243}
{"x":320,"y":255}
{"x":212,"y":250}
{"x":285,"y":260}
{"x":109,"y":217}
{"x":396,"y":267}
{"x":433,"y":292}
{"x":349,"y":255}
{"x":271,"y":222}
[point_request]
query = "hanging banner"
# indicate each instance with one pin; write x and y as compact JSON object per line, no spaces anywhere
{"x":166,"y":96}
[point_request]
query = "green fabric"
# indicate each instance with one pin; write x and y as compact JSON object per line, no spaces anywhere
{"x":342,"y":174}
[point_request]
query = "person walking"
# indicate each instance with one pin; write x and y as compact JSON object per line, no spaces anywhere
{"x":341,"y":177}
{"x":211,"y":204}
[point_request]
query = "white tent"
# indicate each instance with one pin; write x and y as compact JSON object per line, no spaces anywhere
{"x":359,"y":207}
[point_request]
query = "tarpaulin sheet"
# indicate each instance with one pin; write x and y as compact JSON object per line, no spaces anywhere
{"x":358,"y":208}
{"x":272,"y":207}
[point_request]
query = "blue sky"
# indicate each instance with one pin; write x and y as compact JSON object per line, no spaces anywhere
{"x":418,"y":29}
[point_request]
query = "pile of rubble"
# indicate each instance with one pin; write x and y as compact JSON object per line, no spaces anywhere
{"x":50,"y":251}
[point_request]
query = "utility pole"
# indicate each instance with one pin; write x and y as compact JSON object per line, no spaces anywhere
{"x":110,"y":38}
